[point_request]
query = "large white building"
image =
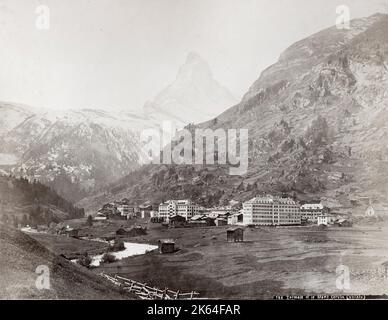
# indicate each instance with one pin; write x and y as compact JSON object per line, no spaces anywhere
{"x":271,"y":211}
{"x":311,"y":211}
{"x":323,"y":220}
{"x":126,"y":210}
{"x":184,"y":208}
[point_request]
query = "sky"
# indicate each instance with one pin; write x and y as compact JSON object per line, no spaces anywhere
{"x":117,"y":54}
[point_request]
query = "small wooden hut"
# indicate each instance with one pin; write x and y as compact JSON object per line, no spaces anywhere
{"x":235,"y":235}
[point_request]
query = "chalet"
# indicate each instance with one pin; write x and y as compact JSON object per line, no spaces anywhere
{"x":177,"y":221}
{"x":323,"y":220}
{"x":185,"y":208}
{"x":235,"y":218}
{"x":125,"y":209}
{"x":235,"y":235}
{"x":145,"y":210}
{"x":166,"y":246}
{"x":73,"y":233}
{"x":376,"y":210}
{"x":156,"y":219}
{"x":219,"y":222}
{"x":197,"y":223}
{"x":343,"y":223}
{"x":311,"y":211}
{"x":197,"y":217}
{"x":100,"y":217}
{"x":213,"y":215}
{"x":201,"y":220}
{"x":108,"y":209}
{"x":122,"y":232}
{"x":69,"y":232}
{"x":131,"y":232}
{"x":65,"y":230}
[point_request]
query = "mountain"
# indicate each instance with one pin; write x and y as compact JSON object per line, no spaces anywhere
{"x":12,"y":115}
{"x":317,"y":122}
{"x":73,"y":150}
{"x":79,"y":151}
{"x":20,"y":258}
{"x":195,"y":96}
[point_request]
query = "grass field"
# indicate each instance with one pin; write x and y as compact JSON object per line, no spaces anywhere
{"x":270,"y":261}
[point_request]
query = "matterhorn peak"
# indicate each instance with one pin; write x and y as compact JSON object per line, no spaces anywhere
{"x":195,"y":68}
{"x":194,"y":97}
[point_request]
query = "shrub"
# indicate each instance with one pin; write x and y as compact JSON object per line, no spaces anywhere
{"x":117,"y":246}
{"x":85,"y":261}
{"x":89,"y":221}
{"x":108,"y":258}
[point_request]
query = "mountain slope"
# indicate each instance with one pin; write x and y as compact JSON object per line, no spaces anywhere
{"x":79,"y":151}
{"x":23,"y":202}
{"x":195,"y":96}
{"x":73,"y":151}
{"x":20,"y":257}
{"x":317,"y":126}
{"x":316,"y":117}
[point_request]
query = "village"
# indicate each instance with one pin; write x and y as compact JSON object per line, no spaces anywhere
{"x":260,"y":211}
{"x":179,"y":246}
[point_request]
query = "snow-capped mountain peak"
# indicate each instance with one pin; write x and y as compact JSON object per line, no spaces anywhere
{"x":195,"y":96}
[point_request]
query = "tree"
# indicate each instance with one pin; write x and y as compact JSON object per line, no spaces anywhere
{"x":85,"y":261}
{"x":25,"y":220}
{"x":15,"y":222}
{"x":89,"y":221}
{"x":117,"y":246}
{"x":108,"y":258}
{"x":5,"y":218}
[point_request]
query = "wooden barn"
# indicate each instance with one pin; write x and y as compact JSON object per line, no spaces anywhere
{"x":235,"y":235}
{"x":166,"y":246}
{"x":219,"y":222}
{"x":73,"y":233}
{"x":177,"y":222}
{"x":131,"y":232}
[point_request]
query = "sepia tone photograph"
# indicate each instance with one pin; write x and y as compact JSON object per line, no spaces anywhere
{"x":193,"y":150}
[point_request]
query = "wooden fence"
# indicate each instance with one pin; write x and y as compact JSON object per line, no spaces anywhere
{"x":146,"y":292}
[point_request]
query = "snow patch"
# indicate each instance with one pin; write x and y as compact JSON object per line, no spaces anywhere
{"x":131,"y":249}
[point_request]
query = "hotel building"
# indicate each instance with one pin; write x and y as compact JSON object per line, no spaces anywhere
{"x":311,"y":211}
{"x":184,"y":208}
{"x":271,"y":211}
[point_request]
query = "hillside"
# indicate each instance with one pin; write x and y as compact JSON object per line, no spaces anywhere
{"x":79,"y":151}
{"x":317,"y":128}
{"x":24,"y":202}
{"x":73,"y":151}
{"x":21,"y":255}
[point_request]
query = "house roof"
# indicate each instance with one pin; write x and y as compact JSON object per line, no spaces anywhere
{"x":197,"y":217}
{"x":312,"y":206}
{"x":270,"y":199}
{"x":378,"y":208}
{"x":166,"y":241}
{"x":234,"y":229}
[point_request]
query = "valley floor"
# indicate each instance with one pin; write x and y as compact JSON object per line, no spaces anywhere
{"x":270,"y":261}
